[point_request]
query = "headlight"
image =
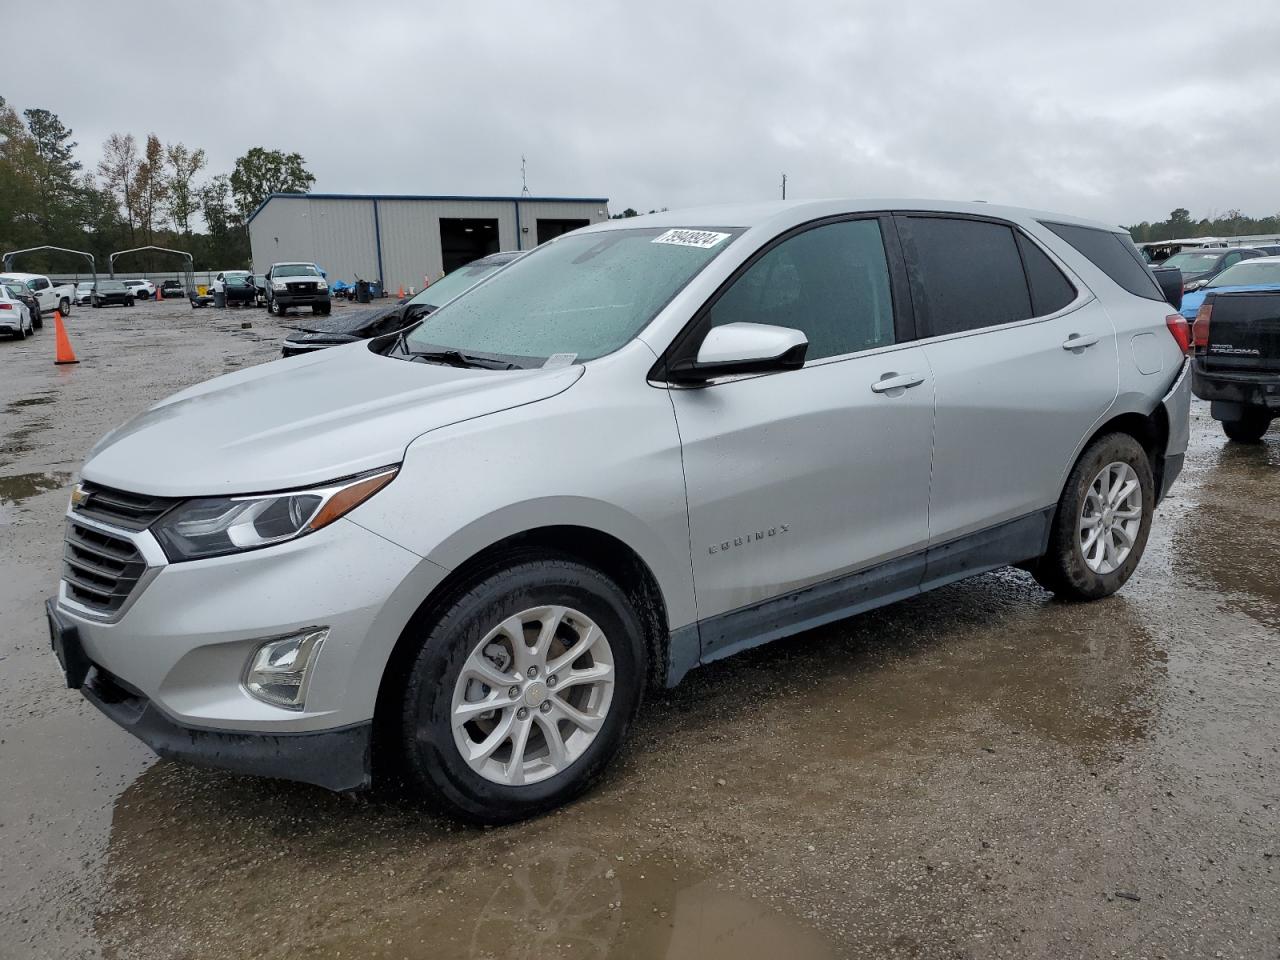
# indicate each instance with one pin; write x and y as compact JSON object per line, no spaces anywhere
{"x":1195,"y":284}
{"x":279,"y":285}
{"x":322,"y":286}
{"x":214,"y":526}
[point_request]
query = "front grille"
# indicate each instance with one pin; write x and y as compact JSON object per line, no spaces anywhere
{"x":132,"y":511}
{"x":301,"y":287}
{"x":100,"y":569}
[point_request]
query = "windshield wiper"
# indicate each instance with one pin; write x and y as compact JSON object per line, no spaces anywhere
{"x":456,"y":358}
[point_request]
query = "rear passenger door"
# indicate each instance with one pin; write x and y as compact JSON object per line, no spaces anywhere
{"x":1024,"y":364}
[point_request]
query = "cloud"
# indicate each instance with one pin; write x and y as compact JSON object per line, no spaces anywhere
{"x":1110,"y":110}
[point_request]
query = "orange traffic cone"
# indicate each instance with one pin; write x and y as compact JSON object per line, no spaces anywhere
{"x":400,"y":292}
{"x":159,"y":293}
{"x":64,"y":352}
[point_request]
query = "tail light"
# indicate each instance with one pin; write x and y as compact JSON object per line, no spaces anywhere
{"x":6,"y":306}
{"x":1201,"y":327}
{"x":1177,"y":325}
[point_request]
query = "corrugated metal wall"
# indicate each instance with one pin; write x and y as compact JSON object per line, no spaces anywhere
{"x":342,"y":235}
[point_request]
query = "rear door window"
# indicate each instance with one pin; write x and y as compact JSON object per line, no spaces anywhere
{"x":965,"y":274}
{"x":1114,"y":254}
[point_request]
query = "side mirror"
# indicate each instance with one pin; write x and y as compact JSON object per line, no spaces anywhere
{"x":1170,"y":280}
{"x":737,"y":348}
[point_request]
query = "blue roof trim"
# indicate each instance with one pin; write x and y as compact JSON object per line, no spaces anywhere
{"x":414,"y":196}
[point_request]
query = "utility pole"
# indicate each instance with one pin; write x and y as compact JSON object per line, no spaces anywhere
{"x":524,"y":183}
{"x":784,"y":186}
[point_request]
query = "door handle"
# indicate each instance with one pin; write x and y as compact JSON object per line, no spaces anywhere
{"x":1077,"y":342}
{"x":896,"y":381}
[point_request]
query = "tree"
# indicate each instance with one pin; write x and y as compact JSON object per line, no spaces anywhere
{"x":56,"y":173}
{"x":18,"y":186}
{"x":150,"y":190}
{"x":625,"y":214}
{"x":118,"y":168}
{"x":227,"y":243}
{"x":184,"y":201}
{"x":260,"y":173}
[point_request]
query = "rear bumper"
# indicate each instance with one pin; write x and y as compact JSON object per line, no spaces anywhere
{"x":335,"y":759}
{"x":1231,"y":392}
{"x":1177,"y":408}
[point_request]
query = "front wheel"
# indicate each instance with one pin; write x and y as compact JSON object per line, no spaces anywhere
{"x":37,"y":321}
{"x":522,"y":691}
{"x":1102,"y":522}
{"x":1248,"y":429}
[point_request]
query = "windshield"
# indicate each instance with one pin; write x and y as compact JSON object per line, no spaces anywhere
{"x":1249,"y":273}
{"x":292,"y":270}
{"x":1193,"y":262}
{"x":239,"y":282}
{"x":110,"y":286}
{"x":582,"y":295}
{"x":448,"y":287}
{"x":84,"y":285}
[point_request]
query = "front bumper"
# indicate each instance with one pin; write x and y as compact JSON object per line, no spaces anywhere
{"x":299,"y":299}
{"x":169,"y":668}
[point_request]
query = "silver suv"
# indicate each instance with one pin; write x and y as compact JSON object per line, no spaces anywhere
{"x":464,"y":552}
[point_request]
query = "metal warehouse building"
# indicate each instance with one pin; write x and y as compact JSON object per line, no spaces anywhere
{"x":404,"y":239}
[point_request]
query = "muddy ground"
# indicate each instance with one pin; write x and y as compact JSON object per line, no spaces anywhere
{"x":981,"y":772}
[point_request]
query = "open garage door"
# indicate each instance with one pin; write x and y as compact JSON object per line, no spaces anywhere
{"x":463,"y":240}
{"x":550,"y":229}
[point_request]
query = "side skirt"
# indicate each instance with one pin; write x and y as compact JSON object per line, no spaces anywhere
{"x":821,"y":603}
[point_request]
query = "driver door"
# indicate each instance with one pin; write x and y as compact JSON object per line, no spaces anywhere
{"x":805,"y":486}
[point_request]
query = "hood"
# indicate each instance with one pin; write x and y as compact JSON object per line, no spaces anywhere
{"x":303,"y":421}
{"x":351,"y":322}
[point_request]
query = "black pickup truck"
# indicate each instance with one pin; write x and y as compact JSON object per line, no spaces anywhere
{"x":1236,"y":361}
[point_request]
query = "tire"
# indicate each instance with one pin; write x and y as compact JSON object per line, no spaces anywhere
{"x":1064,"y":568}
{"x":37,"y":321}
{"x":130,"y":302}
{"x":64,"y":305}
{"x":21,"y":334}
{"x":429,"y":745}
{"x":327,"y":309}
{"x":95,"y":304}
{"x":1248,"y":429}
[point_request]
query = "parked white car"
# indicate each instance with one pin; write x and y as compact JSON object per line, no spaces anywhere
{"x":15,"y":318}
{"x":51,"y":296}
{"x":141,"y":289}
{"x":84,"y":293}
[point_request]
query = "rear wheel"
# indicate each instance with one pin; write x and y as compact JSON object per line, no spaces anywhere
{"x":522,"y":691}
{"x":22,"y":331}
{"x":65,"y":306}
{"x":1102,"y":522}
{"x":1248,"y":429}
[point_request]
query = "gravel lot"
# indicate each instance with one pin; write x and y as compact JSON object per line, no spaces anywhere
{"x":980,"y":772}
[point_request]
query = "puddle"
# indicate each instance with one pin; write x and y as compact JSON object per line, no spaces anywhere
{"x":14,"y":490}
{"x":32,"y":401}
{"x":332,"y":877}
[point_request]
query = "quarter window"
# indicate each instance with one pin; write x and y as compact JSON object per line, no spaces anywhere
{"x":1050,"y":290}
{"x":967,"y":274}
{"x":830,"y":282}
{"x":1115,"y":255}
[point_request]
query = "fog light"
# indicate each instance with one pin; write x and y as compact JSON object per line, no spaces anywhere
{"x":278,"y":670}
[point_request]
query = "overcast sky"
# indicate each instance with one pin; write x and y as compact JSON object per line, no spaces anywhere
{"x":1116,"y":110}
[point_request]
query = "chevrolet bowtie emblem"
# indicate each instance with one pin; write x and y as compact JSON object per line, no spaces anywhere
{"x":78,"y":497}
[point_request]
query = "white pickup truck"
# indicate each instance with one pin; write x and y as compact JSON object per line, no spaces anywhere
{"x":51,"y":296}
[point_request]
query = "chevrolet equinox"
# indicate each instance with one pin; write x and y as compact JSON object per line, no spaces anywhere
{"x":462,"y":552}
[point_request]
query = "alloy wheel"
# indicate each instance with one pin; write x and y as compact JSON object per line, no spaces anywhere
{"x":532,"y":695}
{"x":1110,"y":518}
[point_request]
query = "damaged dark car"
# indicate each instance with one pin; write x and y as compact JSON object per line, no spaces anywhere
{"x":318,"y":333}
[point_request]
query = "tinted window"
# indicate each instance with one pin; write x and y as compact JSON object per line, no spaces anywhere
{"x":1050,"y":290}
{"x":966,"y":273}
{"x":1115,"y":255}
{"x":832,"y":282}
